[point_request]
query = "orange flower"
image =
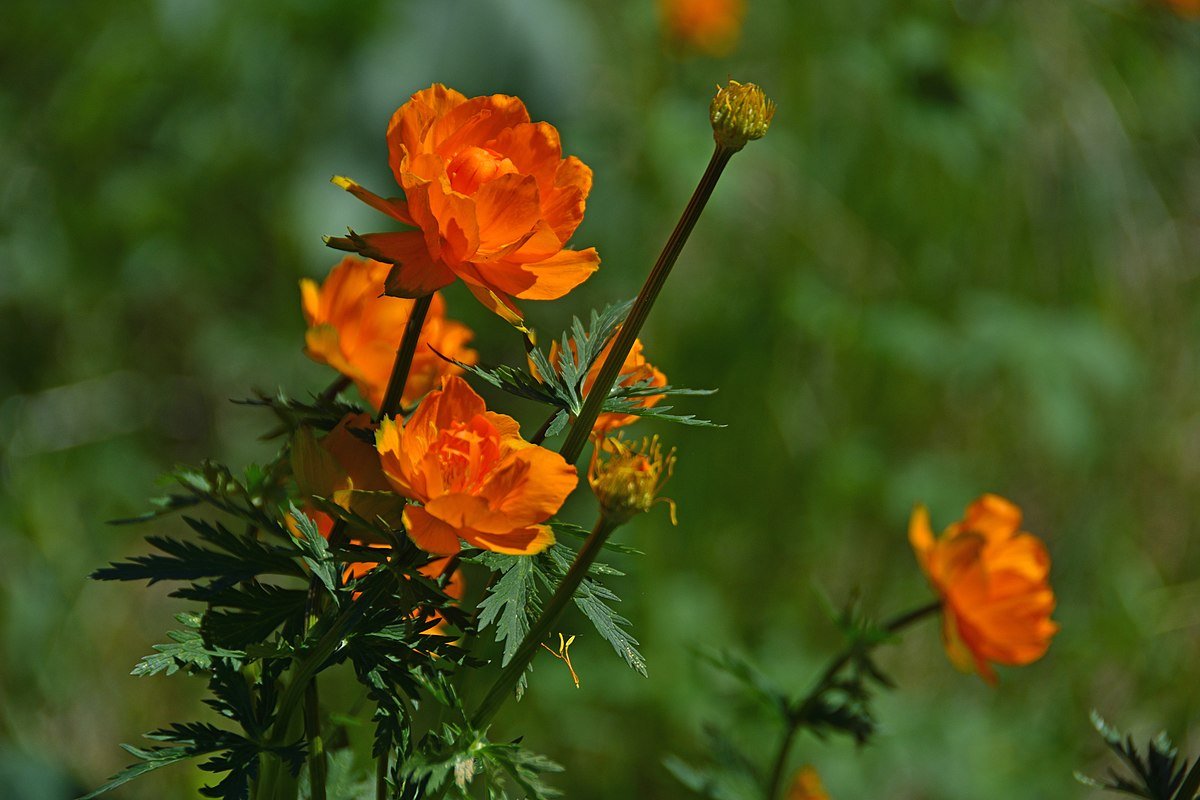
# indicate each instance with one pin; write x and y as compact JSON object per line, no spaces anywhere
{"x":710,"y":26}
{"x":806,"y":785}
{"x":343,"y":468}
{"x":492,"y":196}
{"x":993,"y":582}
{"x":636,"y":369}
{"x":353,"y":328}
{"x":1185,"y":8}
{"x":476,"y":477}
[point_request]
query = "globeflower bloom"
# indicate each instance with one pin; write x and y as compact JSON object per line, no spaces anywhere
{"x":993,"y":582}
{"x":740,"y":112}
{"x":474,"y":476}
{"x":806,"y":785}
{"x":1185,"y":8}
{"x":355,"y":329}
{"x":493,"y":200}
{"x":627,"y":478}
{"x":709,"y":26}
{"x":636,"y":369}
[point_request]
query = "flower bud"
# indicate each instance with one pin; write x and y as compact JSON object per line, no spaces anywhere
{"x":626,"y":478}
{"x":740,"y":112}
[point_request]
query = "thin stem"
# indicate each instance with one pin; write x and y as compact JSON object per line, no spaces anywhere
{"x":512,"y":672}
{"x":404,"y":357}
{"x":381,"y":773}
{"x":577,"y":438}
{"x":799,"y":713}
{"x":318,"y":765}
{"x":334,"y":389}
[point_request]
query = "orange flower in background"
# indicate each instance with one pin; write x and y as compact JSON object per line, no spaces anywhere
{"x":492,"y":197}
{"x":806,"y":785}
{"x":476,"y":477}
{"x":343,"y":468}
{"x":355,"y":329}
{"x":709,"y":26}
{"x":636,"y":369}
{"x":1185,"y":8}
{"x":993,"y":581}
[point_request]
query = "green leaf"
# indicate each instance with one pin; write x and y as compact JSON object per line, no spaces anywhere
{"x":512,"y":601}
{"x":593,"y":599}
{"x":235,"y":558}
{"x":186,"y":650}
{"x":316,"y":552}
{"x":1158,"y":775}
{"x":738,"y":668}
{"x":150,"y":760}
{"x":581,"y":534}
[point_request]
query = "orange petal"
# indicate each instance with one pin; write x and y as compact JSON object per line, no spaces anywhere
{"x":394,"y":207}
{"x":992,"y":516}
{"x":414,"y":273}
{"x":408,"y":126}
{"x":521,"y":542}
{"x":429,"y":533}
{"x":531,"y":487}
{"x":559,"y":274}
{"x":501,"y":306}
{"x":534,"y":148}
{"x":506,"y":210}
{"x":479,"y":121}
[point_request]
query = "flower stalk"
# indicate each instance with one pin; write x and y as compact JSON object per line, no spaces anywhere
{"x":799,"y":713}
{"x":404,"y":357}
{"x":578,"y":435}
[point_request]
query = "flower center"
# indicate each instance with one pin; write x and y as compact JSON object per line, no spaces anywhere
{"x":474,"y":167}
{"x":466,"y":452}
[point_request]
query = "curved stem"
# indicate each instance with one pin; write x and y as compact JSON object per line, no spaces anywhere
{"x":799,"y":713}
{"x":512,"y":672}
{"x":578,"y":435}
{"x":404,"y":357}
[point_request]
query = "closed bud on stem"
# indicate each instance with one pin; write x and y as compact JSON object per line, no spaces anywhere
{"x":740,"y":112}
{"x":627,"y":477}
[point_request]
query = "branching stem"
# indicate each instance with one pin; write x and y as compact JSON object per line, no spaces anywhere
{"x":799,"y":713}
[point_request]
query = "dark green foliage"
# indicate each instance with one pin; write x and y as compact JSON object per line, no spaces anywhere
{"x":515,"y":599}
{"x":1157,"y":775}
{"x":560,"y":384}
{"x":187,"y":650}
{"x":594,"y":599}
{"x":232,"y":558}
{"x":231,"y":754}
{"x":452,"y":760}
{"x":322,"y":413}
{"x":729,"y":775}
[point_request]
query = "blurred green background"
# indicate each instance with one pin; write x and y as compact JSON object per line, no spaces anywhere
{"x":966,"y":258}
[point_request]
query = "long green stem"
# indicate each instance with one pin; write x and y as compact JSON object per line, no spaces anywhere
{"x":318,"y":765}
{"x":512,"y":672}
{"x":274,"y":783}
{"x":381,"y":773}
{"x":404,"y":357}
{"x":610,"y":371}
{"x":800,"y":712}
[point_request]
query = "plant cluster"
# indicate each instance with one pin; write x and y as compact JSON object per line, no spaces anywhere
{"x":392,"y":542}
